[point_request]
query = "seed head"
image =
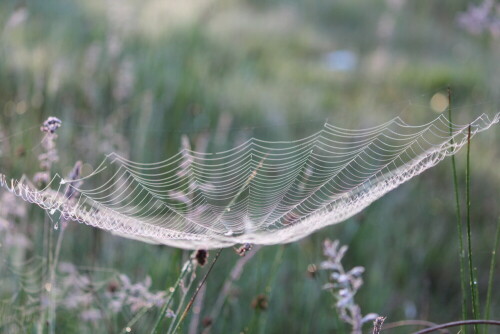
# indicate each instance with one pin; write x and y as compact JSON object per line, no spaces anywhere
{"x":201,"y":256}
{"x":260,"y":302}
{"x":50,"y":125}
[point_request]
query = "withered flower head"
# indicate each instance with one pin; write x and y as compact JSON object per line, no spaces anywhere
{"x":312,"y":270}
{"x":377,"y":325}
{"x":113,"y":286}
{"x":260,"y":302}
{"x":71,"y":191}
{"x":201,"y":256}
{"x":50,"y":125}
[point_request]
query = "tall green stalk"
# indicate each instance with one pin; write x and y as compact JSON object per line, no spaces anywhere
{"x":52,"y":280}
{"x":473,"y":282}
{"x":181,"y":304}
{"x":490,"y":279}
{"x":186,"y":268}
{"x":136,"y":318}
{"x":262,"y":317}
{"x":190,"y":304}
{"x":461,"y":254}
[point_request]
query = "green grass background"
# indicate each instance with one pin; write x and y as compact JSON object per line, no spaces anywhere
{"x":133,"y":76}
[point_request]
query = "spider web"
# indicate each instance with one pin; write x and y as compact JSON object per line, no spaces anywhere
{"x":259,"y":192}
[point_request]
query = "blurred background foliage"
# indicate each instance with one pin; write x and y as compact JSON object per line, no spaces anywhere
{"x":133,"y":76}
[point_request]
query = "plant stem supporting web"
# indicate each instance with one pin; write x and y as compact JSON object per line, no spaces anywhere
{"x":473,"y":279}
{"x":492,"y":269}
{"x":461,"y":254}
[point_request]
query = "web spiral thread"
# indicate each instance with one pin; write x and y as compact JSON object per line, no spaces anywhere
{"x":259,"y":192}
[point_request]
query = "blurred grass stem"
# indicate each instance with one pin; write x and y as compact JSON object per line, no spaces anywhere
{"x":136,"y":318}
{"x":492,"y":269}
{"x":226,"y":288}
{"x":270,"y":283}
{"x":473,"y":281}
{"x":185,"y":269}
{"x":171,"y":328}
{"x":188,"y":307}
{"x":461,"y":254}
{"x":458,"y":323}
{"x":52,"y":281}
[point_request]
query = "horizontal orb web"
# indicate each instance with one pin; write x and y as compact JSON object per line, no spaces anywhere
{"x":259,"y":192}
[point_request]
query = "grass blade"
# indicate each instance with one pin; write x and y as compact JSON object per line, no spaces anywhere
{"x":492,"y":268}
{"x":461,"y":254}
{"x":187,"y":267}
{"x":188,"y":307}
{"x":473,"y":281}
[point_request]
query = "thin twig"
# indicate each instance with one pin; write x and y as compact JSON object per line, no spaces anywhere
{"x":377,"y":325}
{"x":459,"y":323}
{"x":188,"y":307}
{"x":242,"y":188}
{"x":233,"y":276}
{"x":403,"y":323}
{"x":195,"y":319}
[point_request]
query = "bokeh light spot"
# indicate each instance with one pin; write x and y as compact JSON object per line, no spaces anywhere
{"x":439,"y":102}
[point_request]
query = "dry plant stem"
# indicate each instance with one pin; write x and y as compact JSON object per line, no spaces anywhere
{"x":343,"y":285}
{"x":233,"y":276}
{"x":377,"y":325}
{"x":459,"y":323}
{"x":473,"y":282}
{"x":243,"y":187}
{"x":412,"y":323}
{"x":492,"y":269}
{"x":195,"y":319}
{"x":188,"y":307}
{"x":461,"y":255}
{"x":228,"y":206}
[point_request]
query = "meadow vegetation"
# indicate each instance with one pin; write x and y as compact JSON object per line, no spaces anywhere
{"x":133,"y":77}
